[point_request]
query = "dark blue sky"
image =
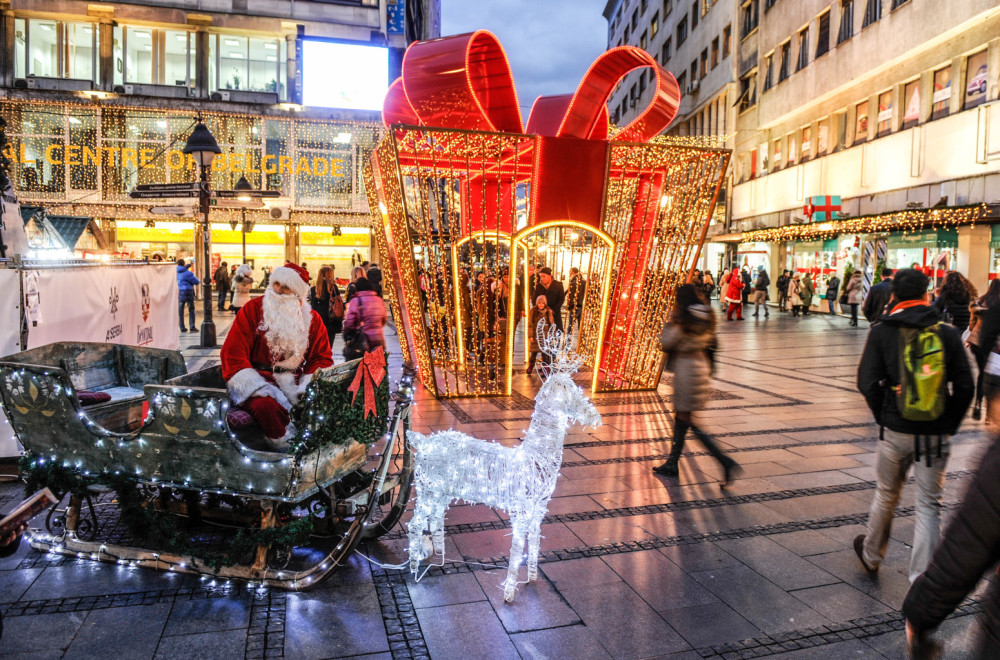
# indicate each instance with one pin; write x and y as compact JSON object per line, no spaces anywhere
{"x":550,"y":43}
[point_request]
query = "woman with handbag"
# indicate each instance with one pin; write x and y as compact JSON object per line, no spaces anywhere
{"x":794,"y":294}
{"x":852,"y":295}
{"x":364,"y":321}
{"x":325,"y":299}
{"x":689,"y":341}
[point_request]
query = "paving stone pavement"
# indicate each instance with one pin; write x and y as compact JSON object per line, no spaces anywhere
{"x":632,"y":565}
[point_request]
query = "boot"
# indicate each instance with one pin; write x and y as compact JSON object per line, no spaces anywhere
{"x":669,"y":468}
{"x":730,"y":467}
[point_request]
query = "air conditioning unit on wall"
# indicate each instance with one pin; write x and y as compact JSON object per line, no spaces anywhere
{"x":279,"y":212}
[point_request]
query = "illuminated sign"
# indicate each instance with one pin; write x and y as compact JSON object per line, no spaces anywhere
{"x":350,"y":76}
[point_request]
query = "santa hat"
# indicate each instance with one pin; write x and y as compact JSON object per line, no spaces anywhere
{"x":294,"y":277}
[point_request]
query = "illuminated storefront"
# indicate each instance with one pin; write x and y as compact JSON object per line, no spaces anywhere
{"x":83,"y":160}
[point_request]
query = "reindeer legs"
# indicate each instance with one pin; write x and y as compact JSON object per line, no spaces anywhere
{"x":516,"y":555}
{"x":534,"y":541}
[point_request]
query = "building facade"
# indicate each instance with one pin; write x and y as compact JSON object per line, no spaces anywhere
{"x":100,"y":97}
{"x":694,"y":40}
{"x":888,"y":105}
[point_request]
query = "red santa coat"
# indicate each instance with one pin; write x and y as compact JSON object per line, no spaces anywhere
{"x":246,"y":357}
{"x":735,"y":286}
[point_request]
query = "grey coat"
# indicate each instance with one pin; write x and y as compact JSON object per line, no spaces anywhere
{"x":691,"y":367}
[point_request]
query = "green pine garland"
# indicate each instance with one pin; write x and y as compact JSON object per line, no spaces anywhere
{"x":326,"y":416}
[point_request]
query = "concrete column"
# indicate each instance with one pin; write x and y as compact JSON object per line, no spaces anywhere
{"x":291,"y":49}
{"x":7,"y":64}
{"x":292,"y":243}
{"x":776,"y":258}
{"x":202,"y":84}
{"x":993,"y":64}
{"x":974,"y":255}
{"x":106,"y":63}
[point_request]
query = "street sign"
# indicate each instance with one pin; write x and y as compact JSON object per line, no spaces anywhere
{"x":158,"y":194}
{"x":234,"y":194}
{"x":171,"y":210}
{"x":168,"y":187}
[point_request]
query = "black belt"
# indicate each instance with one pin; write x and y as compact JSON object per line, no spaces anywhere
{"x":272,"y":369}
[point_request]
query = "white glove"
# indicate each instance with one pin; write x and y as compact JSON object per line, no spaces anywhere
{"x":272,"y":391}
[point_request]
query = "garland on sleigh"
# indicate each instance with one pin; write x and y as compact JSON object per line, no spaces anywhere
{"x":327,"y":416}
{"x":160,"y":529}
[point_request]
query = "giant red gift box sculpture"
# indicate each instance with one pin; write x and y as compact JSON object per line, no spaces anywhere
{"x":459,"y":192}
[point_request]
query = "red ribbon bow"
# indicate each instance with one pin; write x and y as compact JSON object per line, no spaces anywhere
{"x":373,"y":366}
{"x":464,"y":81}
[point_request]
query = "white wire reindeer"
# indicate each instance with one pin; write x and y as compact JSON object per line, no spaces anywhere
{"x":451,"y":465}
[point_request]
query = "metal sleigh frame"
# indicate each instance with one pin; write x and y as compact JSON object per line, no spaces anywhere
{"x":283,"y":482}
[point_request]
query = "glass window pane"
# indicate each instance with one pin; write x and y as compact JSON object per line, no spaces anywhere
{"x":861,"y":123}
{"x":277,"y":164}
{"x":139,"y":55}
{"x":283,"y":70}
{"x":176,"y":58}
{"x":942,"y":92}
{"x":213,"y":49}
{"x":81,"y":155}
{"x":975,"y":87}
{"x":884,"y":114}
{"x":911,"y":104}
{"x":19,"y":47}
{"x":42,"y":56}
{"x":233,"y":63}
{"x":263,"y":63}
{"x":118,"y":54}
{"x":79,"y":50}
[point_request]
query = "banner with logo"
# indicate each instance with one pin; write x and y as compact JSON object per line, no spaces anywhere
{"x":133,"y":305}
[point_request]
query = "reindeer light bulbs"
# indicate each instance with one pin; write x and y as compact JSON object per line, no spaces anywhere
{"x":451,"y":465}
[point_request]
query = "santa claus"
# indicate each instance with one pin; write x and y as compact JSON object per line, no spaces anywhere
{"x":275,"y":345}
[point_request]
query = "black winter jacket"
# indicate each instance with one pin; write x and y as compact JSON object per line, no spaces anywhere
{"x":878,"y":373}
{"x":763,"y":281}
{"x":969,"y":547}
{"x":878,"y":298}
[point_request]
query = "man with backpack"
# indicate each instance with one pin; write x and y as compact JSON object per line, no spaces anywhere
{"x":909,"y":362}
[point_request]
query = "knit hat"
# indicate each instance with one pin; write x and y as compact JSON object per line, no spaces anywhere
{"x":294,"y":277}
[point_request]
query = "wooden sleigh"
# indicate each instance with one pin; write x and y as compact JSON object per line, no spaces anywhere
{"x":195,"y":467}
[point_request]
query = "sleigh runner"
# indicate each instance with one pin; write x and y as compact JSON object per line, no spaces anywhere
{"x":106,"y":425}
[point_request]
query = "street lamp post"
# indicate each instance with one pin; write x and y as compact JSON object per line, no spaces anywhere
{"x":244,"y":186}
{"x":203,"y":147}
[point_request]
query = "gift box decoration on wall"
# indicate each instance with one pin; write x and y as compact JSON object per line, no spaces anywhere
{"x":466,"y":202}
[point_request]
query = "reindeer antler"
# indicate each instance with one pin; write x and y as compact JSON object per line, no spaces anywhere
{"x":560,"y":347}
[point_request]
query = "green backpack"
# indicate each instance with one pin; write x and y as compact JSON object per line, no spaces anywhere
{"x":922,"y":392}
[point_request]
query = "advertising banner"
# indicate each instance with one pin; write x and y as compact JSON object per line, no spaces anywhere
{"x":134,"y":305}
{"x":10,"y":321}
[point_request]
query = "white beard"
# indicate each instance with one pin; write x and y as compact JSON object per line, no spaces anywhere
{"x":286,"y":328}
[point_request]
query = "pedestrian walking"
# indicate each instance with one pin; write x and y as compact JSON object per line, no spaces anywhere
{"x":832,"y":289}
{"x":539,"y":313}
{"x":366,"y":314}
{"x":326,"y":301}
{"x":689,"y":342}
{"x":747,"y":286}
{"x":782,"y":284}
{"x":724,"y":288}
{"x":760,"y":291}
{"x":970,"y":546}
{"x":242,"y":283}
{"x":794,"y":295}
{"x":374,"y":276}
{"x":878,"y":297}
{"x":186,"y":282}
{"x":734,"y":296}
{"x":981,"y":350}
{"x":956,"y":294}
{"x":352,"y":288}
{"x":575,"y":297}
{"x":806,"y":292}
{"x":707,"y":285}
{"x":554,"y":293}
{"x":222,"y":285}
{"x":916,"y":416}
{"x":853,"y":291}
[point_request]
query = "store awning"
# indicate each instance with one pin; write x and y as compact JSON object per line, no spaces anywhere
{"x":69,"y":227}
{"x":934,"y":239}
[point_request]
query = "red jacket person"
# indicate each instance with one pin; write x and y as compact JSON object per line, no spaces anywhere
{"x":275,"y":345}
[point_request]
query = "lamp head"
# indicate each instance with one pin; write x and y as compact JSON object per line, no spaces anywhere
{"x":243,"y":186}
{"x":202,"y":145}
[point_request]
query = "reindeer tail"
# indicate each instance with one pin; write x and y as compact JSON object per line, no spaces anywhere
{"x":416,"y":439}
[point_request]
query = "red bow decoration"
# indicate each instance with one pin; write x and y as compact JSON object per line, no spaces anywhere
{"x":373,"y":366}
{"x":464,"y":82}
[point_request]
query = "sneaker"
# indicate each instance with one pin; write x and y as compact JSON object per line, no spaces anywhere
{"x":859,"y":550}
{"x":184,"y":329}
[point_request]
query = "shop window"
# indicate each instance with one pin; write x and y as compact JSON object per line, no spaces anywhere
{"x":942,"y":93}
{"x":873,"y":12}
{"x":803,"y":49}
{"x":861,"y":122}
{"x":715,"y":52}
{"x":806,"y":147}
{"x":884,"y":114}
{"x":56,"y":49}
{"x":39,"y":139}
{"x":682,"y":30}
{"x":727,"y":40}
{"x":786,"y":56}
{"x":823,"y":35}
{"x":976,"y":76}
{"x":846,"y":21}
{"x":911,"y":103}
{"x":329,"y":182}
{"x":768,"y":71}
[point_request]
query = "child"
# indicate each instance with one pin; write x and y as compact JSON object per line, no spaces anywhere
{"x":540,"y":312}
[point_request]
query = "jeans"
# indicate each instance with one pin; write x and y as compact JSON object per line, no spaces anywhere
{"x":854,"y":313}
{"x":180,"y":313}
{"x":895,"y":455}
{"x":833,"y":305}
{"x":222,"y":300}
{"x":574,"y":315}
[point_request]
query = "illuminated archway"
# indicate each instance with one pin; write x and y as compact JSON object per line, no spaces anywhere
{"x":599,"y":254}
